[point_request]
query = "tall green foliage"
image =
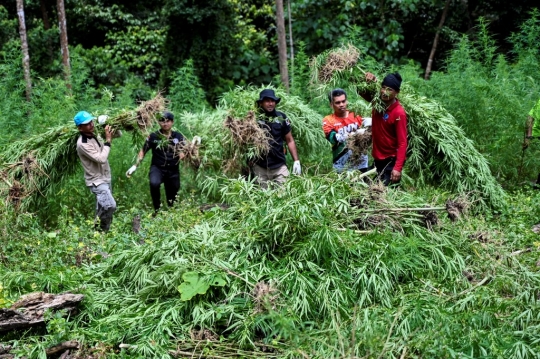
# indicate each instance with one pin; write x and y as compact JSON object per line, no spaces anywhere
{"x":186,"y":92}
{"x":8,"y":28}
{"x":207,"y":29}
{"x":13,"y":110}
{"x":490,"y":96}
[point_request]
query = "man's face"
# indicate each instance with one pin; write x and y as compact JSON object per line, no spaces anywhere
{"x":388,"y":94}
{"x":268,"y":104}
{"x":165,"y":124}
{"x":339,"y":105}
{"x":87,"y":129}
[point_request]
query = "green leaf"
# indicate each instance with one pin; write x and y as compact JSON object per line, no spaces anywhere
{"x":195,"y":284}
{"x":219,"y":281}
{"x":192,"y":286}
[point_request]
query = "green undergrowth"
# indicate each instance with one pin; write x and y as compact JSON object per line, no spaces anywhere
{"x":490,"y":96}
{"x":324,"y":267}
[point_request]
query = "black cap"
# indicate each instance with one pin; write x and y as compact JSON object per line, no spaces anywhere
{"x":268,"y":93}
{"x":167,"y":116}
{"x":393,"y":81}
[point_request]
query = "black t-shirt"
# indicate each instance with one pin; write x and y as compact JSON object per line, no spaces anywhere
{"x":165,"y":152}
{"x":278,"y":125}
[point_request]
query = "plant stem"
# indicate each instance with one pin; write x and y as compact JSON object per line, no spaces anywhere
{"x":411,"y":209}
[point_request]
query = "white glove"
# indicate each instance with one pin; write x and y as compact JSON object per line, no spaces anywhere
{"x":366,"y":121}
{"x":351,"y":127}
{"x":296,"y":168}
{"x":196,"y":140}
{"x":360,"y":131}
{"x":102,"y":119}
{"x":342,"y":137}
{"x":130,"y":171}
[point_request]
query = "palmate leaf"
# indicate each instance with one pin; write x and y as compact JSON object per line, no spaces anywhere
{"x":195,"y":284}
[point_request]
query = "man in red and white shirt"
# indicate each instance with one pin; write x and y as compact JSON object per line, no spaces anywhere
{"x":389,"y":129}
{"x":337,"y":127}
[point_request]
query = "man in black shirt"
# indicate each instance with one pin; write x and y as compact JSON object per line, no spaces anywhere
{"x":271,"y":167}
{"x":166,"y":146}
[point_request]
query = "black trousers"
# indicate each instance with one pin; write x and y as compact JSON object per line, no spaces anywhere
{"x":170,"y":177}
{"x":384,"y":169}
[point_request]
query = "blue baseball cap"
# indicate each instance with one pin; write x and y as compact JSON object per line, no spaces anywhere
{"x":82,"y":118}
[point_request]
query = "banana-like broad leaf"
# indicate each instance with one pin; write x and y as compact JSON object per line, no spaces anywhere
{"x":196,"y":284}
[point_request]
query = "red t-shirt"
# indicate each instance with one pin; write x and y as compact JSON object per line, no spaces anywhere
{"x":390,"y":134}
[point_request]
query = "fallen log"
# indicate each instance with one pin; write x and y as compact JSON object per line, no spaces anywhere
{"x":4,"y":352}
{"x":28,"y":311}
{"x":62,"y":347}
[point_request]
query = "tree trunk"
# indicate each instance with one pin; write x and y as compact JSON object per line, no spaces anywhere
{"x":46,"y":26}
{"x":24,"y":47}
{"x":282,"y":44}
{"x":64,"y":42}
{"x":291,"y":44}
{"x":436,"y":41}
{"x":45,"y":15}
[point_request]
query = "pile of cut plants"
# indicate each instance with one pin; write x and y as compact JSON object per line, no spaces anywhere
{"x":438,"y":153}
{"x":306,"y":270}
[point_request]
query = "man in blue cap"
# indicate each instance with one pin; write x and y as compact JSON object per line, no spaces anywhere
{"x":97,"y":172}
{"x":272,"y":167}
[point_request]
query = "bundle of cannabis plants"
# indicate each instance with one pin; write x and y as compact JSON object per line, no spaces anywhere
{"x":439,"y":153}
{"x":232,"y":136}
{"x":32,"y":168}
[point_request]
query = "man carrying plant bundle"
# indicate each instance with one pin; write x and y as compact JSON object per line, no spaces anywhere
{"x":389,"y":129}
{"x":272,"y":166}
{"x":337,"y":127}
{"x":166,"y":146}
{"x":97,"y":172}
{"x":533,"y":131}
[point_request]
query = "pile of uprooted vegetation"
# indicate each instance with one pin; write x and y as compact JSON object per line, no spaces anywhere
{"x":34,"y":167}
{"x":439,"y":153}
{"x":321,"y":267}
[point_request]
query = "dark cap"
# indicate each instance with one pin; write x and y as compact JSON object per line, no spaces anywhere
{"x":268,"y":93}
{"x":167,"y":116}
{"x":393,"y":81}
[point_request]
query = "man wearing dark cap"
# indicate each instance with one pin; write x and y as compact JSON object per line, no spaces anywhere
{"x":389,"y":129}
{"x":94,"y":156}
{"x":272,"y":166}
{"x":166,"y":146}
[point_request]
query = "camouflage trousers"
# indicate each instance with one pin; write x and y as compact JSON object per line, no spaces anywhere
{"x":105,"y":205}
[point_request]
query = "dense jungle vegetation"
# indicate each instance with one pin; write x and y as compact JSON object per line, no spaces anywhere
{"x":326,"y":266}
